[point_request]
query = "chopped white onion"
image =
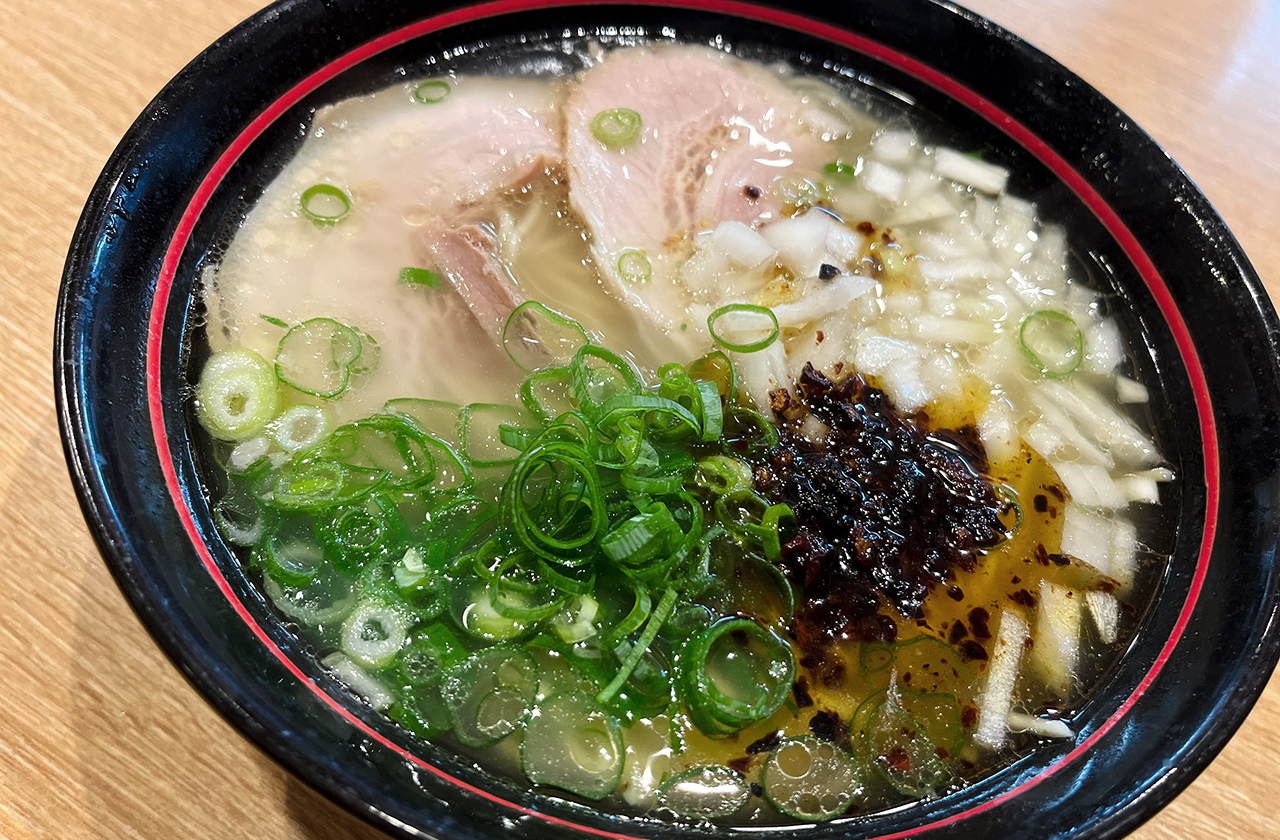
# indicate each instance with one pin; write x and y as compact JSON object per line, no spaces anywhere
{"x":1130,"y":392}
{"x":1104,"y":424}
{"x":248,"y":453}
{"x":1067,"y":432}
{"x":1105,"y":609}
{"x":948,"y":271}
{"x":924,"y":208}
{"x":1043,"y":727}
{"x":1056,"y":653}
{"x":1103,"y":347}
{"x":953,"y":330}
{"x":801,"y":241}
{"x":1124,"y":552}
{"x":743,"y":246}
{"x":1002,"y":675}
{"x":998,"y":432}
{"x":1091,"y":485}
{"x":970,"y":171}
{"x":761,"y":372}
{"x":894,"y":146}
{"x":1087,"y":536}
{"x":826,"y":299}
{"x":883,"y":181}
{"x":1139,"y":488}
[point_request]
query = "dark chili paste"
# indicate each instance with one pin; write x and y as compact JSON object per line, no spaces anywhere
{"x":885,"y":509}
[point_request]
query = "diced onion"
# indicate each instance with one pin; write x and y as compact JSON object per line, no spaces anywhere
{"x":967,"y":170}
{"x":1042,"y":727}
{"x":1002,"y":675}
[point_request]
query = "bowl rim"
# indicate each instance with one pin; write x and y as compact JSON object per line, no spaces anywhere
{"x":112,"y":538}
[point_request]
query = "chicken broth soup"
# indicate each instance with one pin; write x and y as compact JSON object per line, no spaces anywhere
{"x":680,"y":434}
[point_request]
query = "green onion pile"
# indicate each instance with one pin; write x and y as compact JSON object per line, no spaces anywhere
{"x":562,"y":567}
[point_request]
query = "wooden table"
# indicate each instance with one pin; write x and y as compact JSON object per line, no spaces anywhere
{"x":99,"y":735}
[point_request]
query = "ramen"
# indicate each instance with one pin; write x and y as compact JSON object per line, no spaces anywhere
{"x":677,"y":437}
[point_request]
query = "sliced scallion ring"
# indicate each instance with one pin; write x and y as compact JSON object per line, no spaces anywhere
{"x":324,"y":205}
{"x":706,"y":792}
{"x":317,"y":356}
{"x":739,"y":318}
{"x":236,"y":398}
{"x":733,"y":674}
{"x":616,"y":127}
{"x":1052,"y":342}
{"x":300,"y":427}
{"x":328,"y":598}
{"x":374,"y":633}
{"x":810,"y":780}
{"x":429,"y":93}
{"x":488,"y":694}
{"x":536,"y":337}
{"x":634,"y":266}
{"x":572,"y":743}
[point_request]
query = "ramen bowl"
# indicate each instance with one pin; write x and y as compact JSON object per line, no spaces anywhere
{"x":130,"y":345}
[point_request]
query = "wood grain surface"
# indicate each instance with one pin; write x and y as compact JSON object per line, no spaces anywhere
{"x":99,"y":735}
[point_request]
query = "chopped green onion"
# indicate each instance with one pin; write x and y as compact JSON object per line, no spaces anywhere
{"x":734,"y":674}
{"x":716,"y":367}
{"x":616,"y":127}
{"x":236,"y":396}
{"x":293,"y":555}
{"x":482,"y":441}
{"x":842,"y":169}
{"x":897,"y":746}
{"x":723,"y":475}
{"x":1052,"y":342}
{"x":705,"y":792}
{"x":487,"y":695}
{"x":760,"y":320}
{"x":572,"y":743}
{"x":634,"y":266}
{"x":373,"y":634}
{"x":324,"y":204}
{"x":811,"y":780}
{"x":317,"y":356}
{"x":660,"y":614}
{"x":420,"y":277}
{"x":435,"y":417}
{"x":1009,"y":496}
{"x":329,"y":597}
{"x":536,"y":337}
{"x":429,"y":93}
{"x":300,"y":427}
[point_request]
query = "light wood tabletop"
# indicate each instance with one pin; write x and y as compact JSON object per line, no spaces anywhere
{"x":99,"y":735}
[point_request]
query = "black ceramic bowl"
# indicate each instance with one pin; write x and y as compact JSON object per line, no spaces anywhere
{"x":128,"y":337}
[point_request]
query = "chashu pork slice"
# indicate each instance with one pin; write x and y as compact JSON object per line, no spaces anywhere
{"x":716,"y":133}
{"x":411,"y":170}
{"x":430,"y":159}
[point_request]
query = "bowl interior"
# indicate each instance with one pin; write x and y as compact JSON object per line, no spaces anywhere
{"x":1170,"y":272}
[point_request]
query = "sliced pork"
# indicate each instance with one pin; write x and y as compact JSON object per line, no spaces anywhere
{"x":716,"y":133}
{"x":466,"y":257}
{"x":408,"y":167}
